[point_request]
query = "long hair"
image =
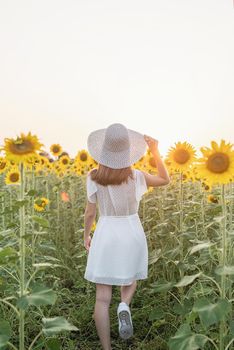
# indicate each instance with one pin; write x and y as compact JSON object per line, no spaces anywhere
{"x":104,"y":175}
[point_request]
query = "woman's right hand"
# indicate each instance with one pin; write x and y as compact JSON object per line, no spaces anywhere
{"x":152,"y":143}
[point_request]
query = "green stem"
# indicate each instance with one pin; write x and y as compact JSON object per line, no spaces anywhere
{"x":58,"y":217}
{"x":9,"y":273}
{"x":222,"y":328}
{"x":47,"y":191}
{"x":10,"y":200}
{"x":231,"y":341}
{"x":30,"y":279}
{"x":181,"y":220}
{"x":3,"y":216}
{"x":22,"y":257}
{"x":11,"y":305}
{"x":34,"y":340}
{"x":213,"y":280}
{"x":212,"y":342}
{"x":181,"y":289}
{"x":32,"y":213}
{"x":231,"y":202}
{"x":203,"y":214}
{"x":13,"y":346}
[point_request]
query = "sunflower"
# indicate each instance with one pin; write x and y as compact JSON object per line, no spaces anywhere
{"x":92,"y":164}
{"x":56,"y":165}
{"x":206,"y":186}
{"x":217,"y":163}
{"x":4,"y":164}
{"x":64,"y":161}
{"x":12,"y":176}
{"x":84,"y":159}
{"x":56,"y":149}
{"x":68,"y":171}
{"x":23,"y":148}
{"x":82,"y":171}
{"x":60,"y":173}
{"x":42,"y":166}
{"x":78,"y":170}
{"x":212,"y":199}
{"x":31,"y":163}
{"x":56,"y":168}
{"x":181,"y":156}
{"x":43,"y":161}
{"x":40,"y":203}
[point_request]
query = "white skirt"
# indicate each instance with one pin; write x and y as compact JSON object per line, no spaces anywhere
{"x":118,"y":252}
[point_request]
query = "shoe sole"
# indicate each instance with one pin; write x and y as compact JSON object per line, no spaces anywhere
{"x":126,"y":329}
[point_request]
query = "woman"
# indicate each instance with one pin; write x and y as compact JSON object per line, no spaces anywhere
{"x":118,"y":251}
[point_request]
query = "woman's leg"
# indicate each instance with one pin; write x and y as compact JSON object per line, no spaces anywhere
{"x":101,"y":314}
{"x":127,"y":292}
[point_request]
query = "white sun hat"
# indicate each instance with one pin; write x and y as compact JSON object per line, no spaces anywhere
{"x":116,"y":146}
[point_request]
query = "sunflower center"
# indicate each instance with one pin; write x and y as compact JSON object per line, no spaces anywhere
{"x":218,"y":162}
{"x":22,"y":147}
{"x":14,"y":177}
{"x":56,"y":149}
{"x":83,"y":157}
{"x":181,"y":156}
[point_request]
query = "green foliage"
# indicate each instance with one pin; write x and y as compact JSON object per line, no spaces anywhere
{"x":210,"y":313}
{"x":186,"y":280}
{"x":5,"y":333}
{"x":225,"y":270}
{"x":41,"y":221}
{"x":199,"y":247}
{"x":189,"y":271}
{"x":7,"y":254}
{"x":40,"y":295}
{"x":53,"y":344}
{"x":185,"y":339}
{"x":56,"y":325}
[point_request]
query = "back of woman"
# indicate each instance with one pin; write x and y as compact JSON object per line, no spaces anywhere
{"x":118,"y":250}
{"x":118,"y":232}
{"x":119,"y":200}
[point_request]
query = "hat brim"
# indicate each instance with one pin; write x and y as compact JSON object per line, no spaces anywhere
{"x":137,"y":149}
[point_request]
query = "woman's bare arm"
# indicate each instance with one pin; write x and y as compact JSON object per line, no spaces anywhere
{"x":163,"y":177}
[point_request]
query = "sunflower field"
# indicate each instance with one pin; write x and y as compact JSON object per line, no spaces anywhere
{"x":187,"y":301}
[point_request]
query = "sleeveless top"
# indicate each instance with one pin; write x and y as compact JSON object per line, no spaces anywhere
{"x":117,"y":200}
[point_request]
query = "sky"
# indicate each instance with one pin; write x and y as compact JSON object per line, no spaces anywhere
{"x":164,"y":68}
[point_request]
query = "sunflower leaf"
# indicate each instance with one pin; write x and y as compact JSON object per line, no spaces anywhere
{"x":56,"y":325}
{"x":40,"y":295}
{"x":225,"y":270}
{"x":210,"y":313}
{"x":200,"y":246}
{"x":185,"y":339}
{"x":5,"y":333}
{"x":187,"y":280}
{"x":41,"y":221}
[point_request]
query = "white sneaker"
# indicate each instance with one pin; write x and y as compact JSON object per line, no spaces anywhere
{"x":125,"y":321}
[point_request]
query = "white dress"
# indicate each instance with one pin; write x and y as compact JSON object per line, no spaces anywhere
{"x":118,"y":252}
